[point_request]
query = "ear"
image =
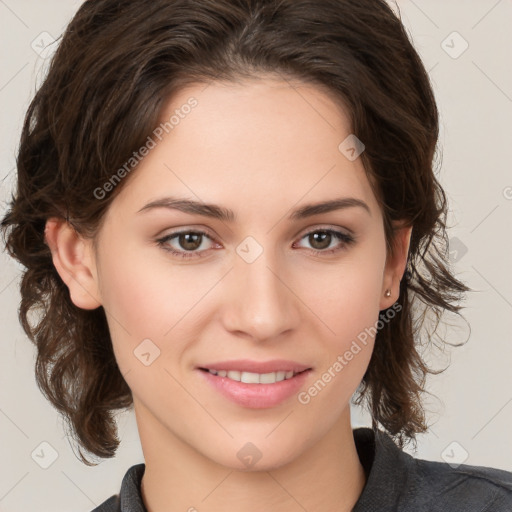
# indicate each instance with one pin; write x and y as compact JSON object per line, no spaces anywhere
{"x":396,"y":262}
{"x":73,"y":257}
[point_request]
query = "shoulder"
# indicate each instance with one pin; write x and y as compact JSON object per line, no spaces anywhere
{"x":129,"y":498}
{"x":465,"y":487}
{"x":399,"y":482}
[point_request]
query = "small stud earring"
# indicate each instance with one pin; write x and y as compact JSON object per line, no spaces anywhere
{"x":388,"y":293}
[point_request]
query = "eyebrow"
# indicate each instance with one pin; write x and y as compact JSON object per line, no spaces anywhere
{"x":217,"y":212}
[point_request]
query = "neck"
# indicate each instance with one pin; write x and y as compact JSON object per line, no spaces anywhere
{"x":327,"y":477}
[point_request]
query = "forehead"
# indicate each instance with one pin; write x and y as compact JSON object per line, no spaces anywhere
{"x":248,"y":142}
{"x":255,"y":110}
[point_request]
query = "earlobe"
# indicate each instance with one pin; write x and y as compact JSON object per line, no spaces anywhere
{"x":395,"y":266}
{"x":73,"y":259}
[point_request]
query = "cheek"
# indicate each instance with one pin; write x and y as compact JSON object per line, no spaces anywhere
{"x":350,"y":308}
{"x":347,"y":299}
{"x":146,"y":296}
{"x":133,"y":289}
{"x":347,"y":296}
{"x":133,"y":298}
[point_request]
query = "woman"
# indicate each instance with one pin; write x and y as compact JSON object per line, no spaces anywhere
{"x":230,"y":219}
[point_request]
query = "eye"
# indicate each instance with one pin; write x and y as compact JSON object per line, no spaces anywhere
{"x":321,"y":240}
{"x":189,"y":243}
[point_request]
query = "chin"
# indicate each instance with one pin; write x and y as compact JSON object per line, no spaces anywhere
{"x":256,"y":456}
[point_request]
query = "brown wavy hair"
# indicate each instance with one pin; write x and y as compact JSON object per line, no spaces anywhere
{"x":116,"y":66}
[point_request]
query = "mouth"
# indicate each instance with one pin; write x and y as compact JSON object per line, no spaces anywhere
{"x":255,"y":378}
{"x":275,"y":383}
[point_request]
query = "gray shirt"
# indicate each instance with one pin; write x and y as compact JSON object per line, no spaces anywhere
{"x":395,"y":482}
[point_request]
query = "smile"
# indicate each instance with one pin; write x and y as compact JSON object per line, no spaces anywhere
{"x":254,"y":378}
{"x":256,"y":390}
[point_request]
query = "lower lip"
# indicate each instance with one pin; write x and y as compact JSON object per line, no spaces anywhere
{"x":256,"y":396}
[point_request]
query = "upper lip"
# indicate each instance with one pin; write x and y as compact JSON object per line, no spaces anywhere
{"x":247,"y":365}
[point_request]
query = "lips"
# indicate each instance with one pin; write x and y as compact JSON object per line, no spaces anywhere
{"x":256,"y":396}
{"x":261,"y":367}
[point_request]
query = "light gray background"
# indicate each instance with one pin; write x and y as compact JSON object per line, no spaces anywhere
{"x":474,"y":410}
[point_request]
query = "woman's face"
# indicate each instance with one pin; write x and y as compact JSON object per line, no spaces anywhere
{"x":268,"y":283}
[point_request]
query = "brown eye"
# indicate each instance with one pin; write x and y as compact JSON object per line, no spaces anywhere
{"x":186,"y":243}
{"x":190,"y":241}
{"x":321,"y":240}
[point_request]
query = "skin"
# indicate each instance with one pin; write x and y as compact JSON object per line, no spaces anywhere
{"x":261,"y":148}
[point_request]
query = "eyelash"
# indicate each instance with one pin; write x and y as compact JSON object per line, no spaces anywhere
{"x":162,"y":242}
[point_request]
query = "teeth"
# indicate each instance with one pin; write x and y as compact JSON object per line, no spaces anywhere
{"x":254,"y":378}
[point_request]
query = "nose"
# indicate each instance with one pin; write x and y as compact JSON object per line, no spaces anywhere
{"x":260,"y":300}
